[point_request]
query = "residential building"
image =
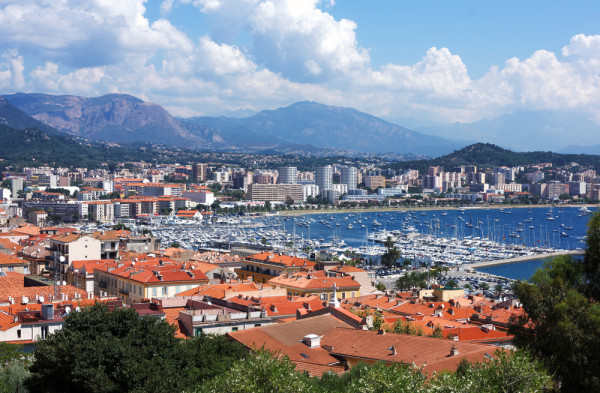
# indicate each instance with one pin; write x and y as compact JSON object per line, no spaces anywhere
{"x":374,"y":182}
{"x":349,"y":177}
{"x":287,"y":175}
{"x":324,"y":178}
{"x":199,"y":172}
{"x":275,"y":192}
{"x":265,"y":266}
{"x":317,"y":284}
{"x":133,"y":282}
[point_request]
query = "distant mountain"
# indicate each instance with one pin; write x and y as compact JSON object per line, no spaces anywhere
{"x":13,"y":117}
{"x":489,"y":155}
{"x":113,"y":117}
{"x":527,"y":130}
{"x":574,"y":149}
{"x":331,"y":127}
{"x":298,"y":128}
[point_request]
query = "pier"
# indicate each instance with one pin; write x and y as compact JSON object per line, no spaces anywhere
{"x":524,"y":258}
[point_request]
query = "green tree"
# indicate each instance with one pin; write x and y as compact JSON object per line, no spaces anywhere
{"x":259,"y":373}
{"x":103,"y":351}
{"x":452,"y":283}
{"x":392,"y":253}
{"x":268,"y":206}
{"x":505,"y":372}
{"x":560,"y":325}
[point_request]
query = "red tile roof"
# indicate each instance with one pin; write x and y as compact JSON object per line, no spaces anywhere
{"x":280,"y":259}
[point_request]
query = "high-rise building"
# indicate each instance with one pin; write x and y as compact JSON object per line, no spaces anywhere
{"x":324,"y":178}
{"x":349,"y":177}
{"x":198,"y":172}
{"x":287,"y":175}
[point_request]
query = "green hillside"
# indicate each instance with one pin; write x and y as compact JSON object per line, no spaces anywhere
{"x":34,"y":147}
{"x":488,"y":155}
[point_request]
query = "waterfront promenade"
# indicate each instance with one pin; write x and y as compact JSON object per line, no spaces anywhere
{"x":525,"y":258}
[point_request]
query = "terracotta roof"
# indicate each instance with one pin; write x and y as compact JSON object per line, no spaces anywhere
{"x":432,"y":353}
{"x":13,"y":285}
{"x":348,"y":269}
{"x":219,"y":290}
{"x":280,"y":259}
{"x":279,"y":305}
{"x":307,"y":282}
{"x":286,"y":339}
{"x":6,"y":259}
{"x":66,"y":238}
{"x":7,"y":321}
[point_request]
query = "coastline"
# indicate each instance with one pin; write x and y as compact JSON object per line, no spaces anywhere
{"x":525,"y":258}
{"x":421,"y":208}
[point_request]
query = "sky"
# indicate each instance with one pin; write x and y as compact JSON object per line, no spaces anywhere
{"x":433,"y":61}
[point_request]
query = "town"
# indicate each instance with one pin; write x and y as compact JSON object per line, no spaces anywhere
{"x":73,"y":238}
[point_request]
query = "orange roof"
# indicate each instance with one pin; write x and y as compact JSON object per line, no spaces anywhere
{"x":281,"y":259}
{"x":348,"y":269}
{"x":31,"y":230}
{"x":219,"y":290}
{"x":7,"y":321}
{"x":431,"y":353}
{"x":6,"y":259}
{"x":13,"y":285}
{"x":307,"y":281}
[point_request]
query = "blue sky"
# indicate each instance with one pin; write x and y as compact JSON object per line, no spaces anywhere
{"x":442,"y":61}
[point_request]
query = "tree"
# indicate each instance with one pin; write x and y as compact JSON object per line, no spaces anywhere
{"x":499,"y":289}
{"x":452,"y":283}
{"x":560,"y":324}
{"x":260,"y":373}
{"x":561,"y":316}
{"x":391,"y":255}
{"x":380,"y":286}
{"x":484,"y":286}
{"x":268,"y":206}
{"x":103,"y":351}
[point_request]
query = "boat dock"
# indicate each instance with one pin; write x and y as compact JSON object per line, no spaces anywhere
{"x":526,"y":258}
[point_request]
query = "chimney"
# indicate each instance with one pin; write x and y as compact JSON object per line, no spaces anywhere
{"x":312,"y":340}
{"x":454,"y":350}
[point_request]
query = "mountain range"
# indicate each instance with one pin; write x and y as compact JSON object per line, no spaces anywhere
{"x":299,"y":127}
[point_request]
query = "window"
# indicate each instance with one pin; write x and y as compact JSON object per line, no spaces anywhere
{"x":234,"y":329}
{"x":154,"y":291}
{"x":18,"y":333}
{"x":257,"y":325}
{"x":165,"y":291}
{"x":44,"y":330}
{"x":353,"y":294}
{"x":11,"y":268}
{"x":197,"y":332}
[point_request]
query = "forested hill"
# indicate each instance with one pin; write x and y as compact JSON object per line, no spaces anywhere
{"x":488,"y":155}
{"x":34,"y":147}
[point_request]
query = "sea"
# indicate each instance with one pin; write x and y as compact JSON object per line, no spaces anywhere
{"x":557,"y":227}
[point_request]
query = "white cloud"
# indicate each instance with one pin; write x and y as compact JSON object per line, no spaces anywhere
{"x":269,"y":53}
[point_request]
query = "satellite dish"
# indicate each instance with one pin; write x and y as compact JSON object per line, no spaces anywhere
{"x":77,"y":308}
{"x":64,"y":283}
{"x":67,"y":310}
{"x":41,"y":299}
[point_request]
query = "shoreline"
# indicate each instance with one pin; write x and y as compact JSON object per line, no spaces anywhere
{"x":477,"y":265}
{"x":422,"y":208}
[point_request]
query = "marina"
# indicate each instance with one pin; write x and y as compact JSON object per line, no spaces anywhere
{"x":474,"y":237}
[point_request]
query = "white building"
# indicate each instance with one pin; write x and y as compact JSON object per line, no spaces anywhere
{"x":324,"y":178}
{"x":287,"y":175}
{"x":202,"y":197}
{"x":349,"y":177}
